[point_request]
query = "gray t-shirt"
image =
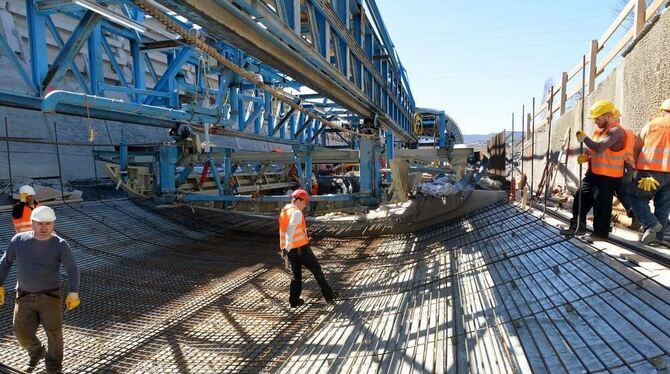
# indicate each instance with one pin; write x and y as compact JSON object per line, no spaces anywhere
{"x":39,"y":263}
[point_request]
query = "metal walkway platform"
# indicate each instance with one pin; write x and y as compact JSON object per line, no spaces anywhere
{"x":496,"y":291}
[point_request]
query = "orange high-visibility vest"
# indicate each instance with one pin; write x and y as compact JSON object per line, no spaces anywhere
{"x":299,"y":236}
{"x":655,"y":154}
{"x":629,"y":157}
{"x":608,"y":163}
{"x":24,"y":223}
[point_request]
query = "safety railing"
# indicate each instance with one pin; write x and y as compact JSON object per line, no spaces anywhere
{"x":598,"y":59}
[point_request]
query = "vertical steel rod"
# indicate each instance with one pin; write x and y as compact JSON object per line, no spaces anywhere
{"x":523,"y":137}
{"x":581,"y":148}
{"x":532,"y":150}
{"x":9,"y":160}
{"x":547,"y":178}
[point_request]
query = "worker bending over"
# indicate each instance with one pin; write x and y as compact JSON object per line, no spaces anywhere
{"x":23,"y":209}
{"x":39,"y":254}
{"x":605,"y":157}
{"x":652,"y":151}
{"x":294,"y":243}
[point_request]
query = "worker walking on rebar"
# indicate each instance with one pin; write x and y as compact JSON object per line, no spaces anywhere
{"x":605,"y":157}
{"x":39,"y":254}
{"x":294,"y":244}
{"x":652,"y":151}
{"x":625,"y":190}
{"x":23,"y":209}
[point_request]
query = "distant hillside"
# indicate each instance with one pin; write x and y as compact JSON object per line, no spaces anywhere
{"x":482,"y":138}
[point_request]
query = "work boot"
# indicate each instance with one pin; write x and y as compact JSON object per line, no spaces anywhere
{"x":592,"y":238}
{"x":571,"y":231}
{"x":35,"y":360}
{"x":300,"y":302}
{"x":634,"y":225}
{"x":336,"y":295}
{"x":650,"y":233}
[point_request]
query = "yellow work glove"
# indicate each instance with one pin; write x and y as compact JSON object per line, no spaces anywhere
{"x":72,"y":300}
{"x":2,"y":296}
{"x":580,"y":136}
{"x":583,"y":158}
{"x":648,"y":184}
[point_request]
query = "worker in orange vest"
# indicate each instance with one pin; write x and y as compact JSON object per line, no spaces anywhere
{"x":626,"y":188}
{"x":294,"y":244}
{"x":605,"y":157}
{"x":23,"y":209}
{"x":652,"y":152}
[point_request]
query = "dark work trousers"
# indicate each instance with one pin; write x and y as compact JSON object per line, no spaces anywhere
{"x":625,"y":191}
{"x":29,"y":312}
{"x":596,"y":192}
{"x":303,"y":256}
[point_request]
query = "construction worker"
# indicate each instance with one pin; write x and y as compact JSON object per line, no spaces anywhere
{"x":605,"y":157}
{"x":625,"y":190}
{"x":39,"y":254}
{"x":23,"y":209}
{"x":652,"y":151}
{"x":294,"y":244}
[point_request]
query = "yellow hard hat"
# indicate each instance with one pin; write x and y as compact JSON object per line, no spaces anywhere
{"x":665,"y":106}
{"x":601,"y":107}
{"x":616,"y":114}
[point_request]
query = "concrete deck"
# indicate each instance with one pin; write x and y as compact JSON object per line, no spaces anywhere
{"x":497,"y":290}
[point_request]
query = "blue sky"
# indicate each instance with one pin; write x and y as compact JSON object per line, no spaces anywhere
{"x":481,"y":60}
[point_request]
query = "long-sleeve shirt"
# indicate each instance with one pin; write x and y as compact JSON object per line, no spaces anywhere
{"x":294,"y":220}
{"x":615,"y":139}
{"x":39,"y":263}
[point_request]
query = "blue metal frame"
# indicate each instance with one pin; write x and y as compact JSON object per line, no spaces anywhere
{"x":365,"y":66}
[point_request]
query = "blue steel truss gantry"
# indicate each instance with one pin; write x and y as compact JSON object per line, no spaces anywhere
{"x":333,"y":59}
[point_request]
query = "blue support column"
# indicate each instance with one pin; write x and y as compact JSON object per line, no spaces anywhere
{"x":258,"y":108}
{"x":307,"y":179}
{"x":168,"y":159}
{"x":123,"y":161}
{"x":442,"y":121}
{"x":389,"y":146}
{"x":269,"y":116}
{"x":37,"y":45}
{"x":215,"y":175}
{"x":370,"y":178}
{"x":234,"y":107}
{"x":241,"y":111}
{"x":139,"y":77}
{"x":228,"y":171}
{"x":96,"y":73}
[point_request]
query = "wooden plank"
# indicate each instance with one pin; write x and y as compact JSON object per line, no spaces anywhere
{"x":564,"y":90}
{"x":640,"y":16}
{"x":593,"y":66}
{"x":653,"y":8}
{"x":614,"y":26}
{"x":616,"y":50}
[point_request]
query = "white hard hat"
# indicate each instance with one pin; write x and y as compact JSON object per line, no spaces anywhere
{"x":27,"y":190}
{"x":43,"y":214}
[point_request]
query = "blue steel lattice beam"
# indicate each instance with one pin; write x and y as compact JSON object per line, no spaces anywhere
{"x":66,"y":56}
{"x":281,"y":47}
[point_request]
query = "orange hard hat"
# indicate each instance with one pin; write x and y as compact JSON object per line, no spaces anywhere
{"x":300,"y":194}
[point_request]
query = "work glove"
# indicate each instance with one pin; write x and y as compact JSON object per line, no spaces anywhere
{"x":2,"y":296}
{"x":580,"y":136}
{"x":72,"y":300}
{"x":583,"y":158}
{"x":648,"y":184}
